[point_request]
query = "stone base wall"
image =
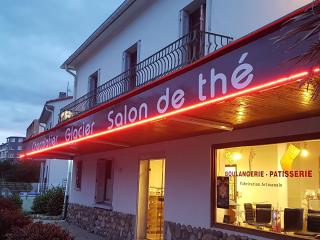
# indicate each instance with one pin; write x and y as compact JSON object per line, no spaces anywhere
{"x":120,"y":226}
{"x":113,"y":225}
{"x":176,"y":231}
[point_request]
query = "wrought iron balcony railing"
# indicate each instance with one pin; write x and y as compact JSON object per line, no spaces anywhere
{"x":183,"y":51}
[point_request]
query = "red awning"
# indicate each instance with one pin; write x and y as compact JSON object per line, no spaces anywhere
{"x":250,"y":82}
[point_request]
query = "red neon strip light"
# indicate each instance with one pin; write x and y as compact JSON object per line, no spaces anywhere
{"x":265,"y":86}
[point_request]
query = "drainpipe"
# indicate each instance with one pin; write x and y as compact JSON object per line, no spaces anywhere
{"x":52,"y":114}
{"x":68,"y":70}
{"x":70,"y":162}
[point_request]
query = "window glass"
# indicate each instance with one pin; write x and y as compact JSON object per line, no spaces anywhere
{"x":12,"y":139}
{"x":19,"y":147}
{"x":272,"y":187}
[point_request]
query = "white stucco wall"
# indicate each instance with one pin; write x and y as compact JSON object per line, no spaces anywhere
{"x":238,"y":18}
{"x":188,"y":161}
{"x":149,"y":26}
{"x":157,"y":24}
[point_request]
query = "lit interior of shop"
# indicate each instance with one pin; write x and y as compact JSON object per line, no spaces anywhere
{"x":274,"y":187}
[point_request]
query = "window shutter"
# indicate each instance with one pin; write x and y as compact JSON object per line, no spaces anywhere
{"x":184,"y":22}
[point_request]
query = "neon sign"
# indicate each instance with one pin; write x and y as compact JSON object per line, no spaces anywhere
{"x":242,"y":71}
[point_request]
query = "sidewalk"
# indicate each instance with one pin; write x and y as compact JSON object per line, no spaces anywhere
{"x":75,"y":231}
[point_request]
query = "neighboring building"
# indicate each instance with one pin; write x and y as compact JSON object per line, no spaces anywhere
{"x":52,"y":172}
{"x":34,"y":128}
{"x":11,"y":149}
{"x":186,"y":124}
{"x":3,"y":151}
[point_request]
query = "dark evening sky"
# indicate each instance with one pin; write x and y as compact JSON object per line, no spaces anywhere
{"x":36,"y":36}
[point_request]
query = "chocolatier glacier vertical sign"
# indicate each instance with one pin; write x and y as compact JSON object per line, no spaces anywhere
{"x":248,"y":66}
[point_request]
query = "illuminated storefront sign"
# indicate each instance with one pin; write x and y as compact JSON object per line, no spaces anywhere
{"x":255,"y":66}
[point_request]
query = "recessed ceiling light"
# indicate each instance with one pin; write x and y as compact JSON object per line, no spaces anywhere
{"x":236,"y":156}
{"x":304,"y":153}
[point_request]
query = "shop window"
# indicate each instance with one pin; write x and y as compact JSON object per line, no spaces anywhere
{"x":104,"y":181}
{"x":273,"y":187}
{"x":78,"y":174}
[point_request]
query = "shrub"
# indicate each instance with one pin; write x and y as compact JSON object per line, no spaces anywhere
{"x":6,"y":203}
{"x":55,"y":202}
{"x":39,"y":231}
{"x":17,"y":201}
{"x":11,"y":218}
{"x":40,"y":203}
{"x":50,"y":202}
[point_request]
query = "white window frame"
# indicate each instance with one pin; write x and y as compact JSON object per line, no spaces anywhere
{"x":98,"y":79}
{"x":125,"y":54}
{"x":184,"y":16}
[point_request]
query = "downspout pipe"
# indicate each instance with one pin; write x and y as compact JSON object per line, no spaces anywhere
{"x":70,"y":162}
{"x":74,"y":75}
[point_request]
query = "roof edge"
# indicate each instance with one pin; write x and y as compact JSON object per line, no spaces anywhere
{"x":58,"y":99}
{"x":112,"y":18}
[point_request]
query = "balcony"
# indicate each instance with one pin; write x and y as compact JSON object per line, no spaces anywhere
{"x":176,"y":55}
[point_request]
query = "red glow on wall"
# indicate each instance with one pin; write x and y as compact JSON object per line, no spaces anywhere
{"x":262,"y":87}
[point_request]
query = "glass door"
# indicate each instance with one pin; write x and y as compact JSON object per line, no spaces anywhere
{"x":150,"y":212}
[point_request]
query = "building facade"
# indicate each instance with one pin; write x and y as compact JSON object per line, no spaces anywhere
{"x":189,"y":123}
{"x":11,"y":149}
{"x":3,"y":151}
{"x":53,"y":172}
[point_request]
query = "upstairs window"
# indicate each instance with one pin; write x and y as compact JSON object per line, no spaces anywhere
{"x":93,"y":83}
{"x":130,"y":60}
{"x":193,"y":17}
{"x":104,"y":181}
